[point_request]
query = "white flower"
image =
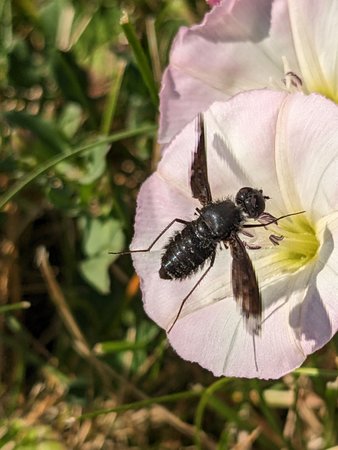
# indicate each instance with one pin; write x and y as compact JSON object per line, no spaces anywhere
{"x":286,"y":145}
{"x":250,"y":44}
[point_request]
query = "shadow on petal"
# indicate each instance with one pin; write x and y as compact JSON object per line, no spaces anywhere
{"x":245,"y":21}
{"x":310,"y":319}
{"x":225,"y":153}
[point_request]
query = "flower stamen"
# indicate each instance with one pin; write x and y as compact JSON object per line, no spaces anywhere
{"x":299,"y":246}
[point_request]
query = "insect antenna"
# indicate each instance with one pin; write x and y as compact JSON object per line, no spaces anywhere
{"x":275,"y":221}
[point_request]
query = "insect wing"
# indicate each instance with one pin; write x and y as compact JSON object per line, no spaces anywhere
{"x":199,"y":182}
{"x":244,"y":282}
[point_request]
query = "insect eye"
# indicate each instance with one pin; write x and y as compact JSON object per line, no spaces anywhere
{"x":252,"y":201}
{"x":258,"y":205}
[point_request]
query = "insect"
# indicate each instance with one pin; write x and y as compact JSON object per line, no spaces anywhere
{"x":218,"y":221}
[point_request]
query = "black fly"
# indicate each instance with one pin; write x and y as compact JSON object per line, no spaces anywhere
{"x":218,"y":221}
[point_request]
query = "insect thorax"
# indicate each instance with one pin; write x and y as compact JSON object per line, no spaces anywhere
{"x":222,"y":218}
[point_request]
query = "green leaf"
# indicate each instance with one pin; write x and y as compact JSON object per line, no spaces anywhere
{"x":100,"y":235}
{"x":147,"y":402}
{"x":118,"y":346}
{"x":88,"y":170}
{"x":23,"y":71}
{"x":48,"y":18}
{"x":95,"y":271}
{"x":62,"y":197}
{"x":44,"y":167}
{"x":95,"y":165}
{"x":14,"y":306}
{"x":70,"y":119}
{"x":141,"y":58}
{"x":73,"y":81}
{"x":45,"y":131}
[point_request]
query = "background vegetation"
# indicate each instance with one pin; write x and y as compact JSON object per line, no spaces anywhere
{"x":81,"y":366}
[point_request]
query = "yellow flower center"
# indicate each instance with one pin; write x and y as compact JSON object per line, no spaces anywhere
{"x":299,"y":245}
{"x":323,"y":88}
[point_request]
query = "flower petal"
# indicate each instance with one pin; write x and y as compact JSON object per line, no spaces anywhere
{"x":243,"y":139}
{"x":307,"y":154}
{"x":240,"y":142}
{"x":314,"y":28}
{"x":215,"y":337}
{"x":167,"y":195}
{"x":319,"y":313}
{"x":158,"y":204}
{"x":231,"y":51}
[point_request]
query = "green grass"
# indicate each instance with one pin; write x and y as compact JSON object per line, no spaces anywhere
{"x":81,"y":366}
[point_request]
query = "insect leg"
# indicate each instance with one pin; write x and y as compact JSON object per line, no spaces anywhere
{"x":184,"y":222}
{"x":254,"y":350}
{"x":192,"y":290}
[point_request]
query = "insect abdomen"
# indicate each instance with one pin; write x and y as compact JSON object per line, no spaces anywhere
{"x":185,"y":253}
